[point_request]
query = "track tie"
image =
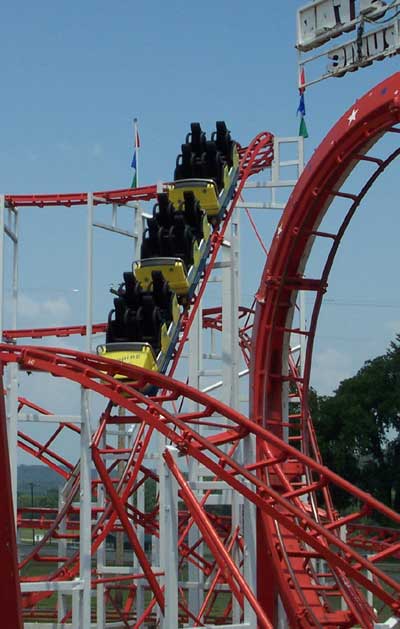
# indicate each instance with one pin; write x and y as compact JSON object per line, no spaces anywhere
{"x":304,"y":283}
{"x":368,"y":158}
{"x":293,"y":330}
{"x":344,"y":195}
{"x":335,"y":619}
{"x":314,"y":232}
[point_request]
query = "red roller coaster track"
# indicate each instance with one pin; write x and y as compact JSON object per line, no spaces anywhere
{"x":346,"y":145}
{"x":322,"y":580}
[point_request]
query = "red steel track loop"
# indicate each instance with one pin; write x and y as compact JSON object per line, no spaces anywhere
{"x":182,"y":430}
{"x":347,"y":144}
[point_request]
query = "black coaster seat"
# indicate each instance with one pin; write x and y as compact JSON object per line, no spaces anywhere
{"x":197,"y":139}
{"x":181,"y":240}
{"x":116,"y":327}
{"x":163,"y":211}
{"x":149,"y":321}
{"x":193,"y":214}
{"x":162,"y":296}
{"x":150,"y":247}
{"x":183,"y":169}
{"x":223,"y":140}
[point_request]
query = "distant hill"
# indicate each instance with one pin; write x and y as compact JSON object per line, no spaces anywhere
{"x":42,"y":477}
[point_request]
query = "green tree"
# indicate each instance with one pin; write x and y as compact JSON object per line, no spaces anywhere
{"x":358,"y":428}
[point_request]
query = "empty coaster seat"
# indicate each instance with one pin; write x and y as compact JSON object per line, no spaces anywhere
{"x":150,"y":247}
{"x":132,"y":291}
{"x":214,"y":164}
{"x":183,"y":169}
{"x":162,"y":296}
{"x":163,"y":210}
{"x":181,"y":240}
{"x":116,"y":328}
{"x":223,"y":140}
{"x":198,"y":167}
{"x":193,"y":214}
{"x":131,"y":331}
{"x":165,"y":246}
{"x":148,"y":319}
{"x":197,"y":139}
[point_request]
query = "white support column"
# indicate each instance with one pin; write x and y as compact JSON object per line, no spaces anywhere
{"x":157,"y":548}
{"x":13,"y":392}
{"x":85,"y":513}
{"x":138,"y":229}
{"x":250,"y":538}
{"x":89,"y":273}
{"x":283,"y":622}
{"x":62,"y":552}
{"x":230,"y":360}
{"x":15,"y":270}
{"x":230,"y":311}
{"x":101,"y":559}
{"x":169,"y":543}
{"x":12,"y":428}
{"x":139,"y":598}
{"x":195,"y":575}
{"x":12,"y":385}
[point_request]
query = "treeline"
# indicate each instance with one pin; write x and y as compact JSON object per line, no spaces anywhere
{"x":48,"y":498}
{"x":358,"y":428}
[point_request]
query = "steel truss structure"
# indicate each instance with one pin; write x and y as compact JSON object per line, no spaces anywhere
{"x":241,"y":530}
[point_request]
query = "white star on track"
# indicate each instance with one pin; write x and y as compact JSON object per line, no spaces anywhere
{"x":352,"y":116}
{"x":280,"y":230}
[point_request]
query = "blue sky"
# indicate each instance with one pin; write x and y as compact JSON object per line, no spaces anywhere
{"x":74,"y":75}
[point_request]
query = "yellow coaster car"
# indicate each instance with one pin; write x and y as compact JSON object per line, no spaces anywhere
{"x":205,"y":190}
{"x":174,"y":270}
{"x":138,"y":354}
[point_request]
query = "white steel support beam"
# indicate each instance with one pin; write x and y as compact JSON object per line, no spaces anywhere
{"x":195,"y":575}
{"x":62,"y":552}
{"x":169,"y":542}
{"x":250,"y":538}
{"x":139,"y":229}
{"x":12,"y":428}
{"x":139,"y":597}
{"x":85,"y":519}
{"x":89,"y":273}
{"x":230,"y":361}
{"x":157,"y":547}
{"x":12,"y":386}
{"x":101,"y":558}
{"x":230,"y":311}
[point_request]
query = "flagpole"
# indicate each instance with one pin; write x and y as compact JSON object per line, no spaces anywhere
{"x":135,"y":131}
{"x":138,"y":213}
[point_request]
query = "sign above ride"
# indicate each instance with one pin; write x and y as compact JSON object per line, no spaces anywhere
{"x":368,"y":30}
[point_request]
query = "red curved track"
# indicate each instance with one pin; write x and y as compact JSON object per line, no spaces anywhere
{"x":346,"y":145}
{"x":301,"y":555}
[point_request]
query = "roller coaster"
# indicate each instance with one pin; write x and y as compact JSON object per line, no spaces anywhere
{"x":144,"y":325}
{"x":275,"y":552}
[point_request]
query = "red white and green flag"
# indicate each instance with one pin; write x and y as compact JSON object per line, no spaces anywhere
{"x":301,"y":109}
